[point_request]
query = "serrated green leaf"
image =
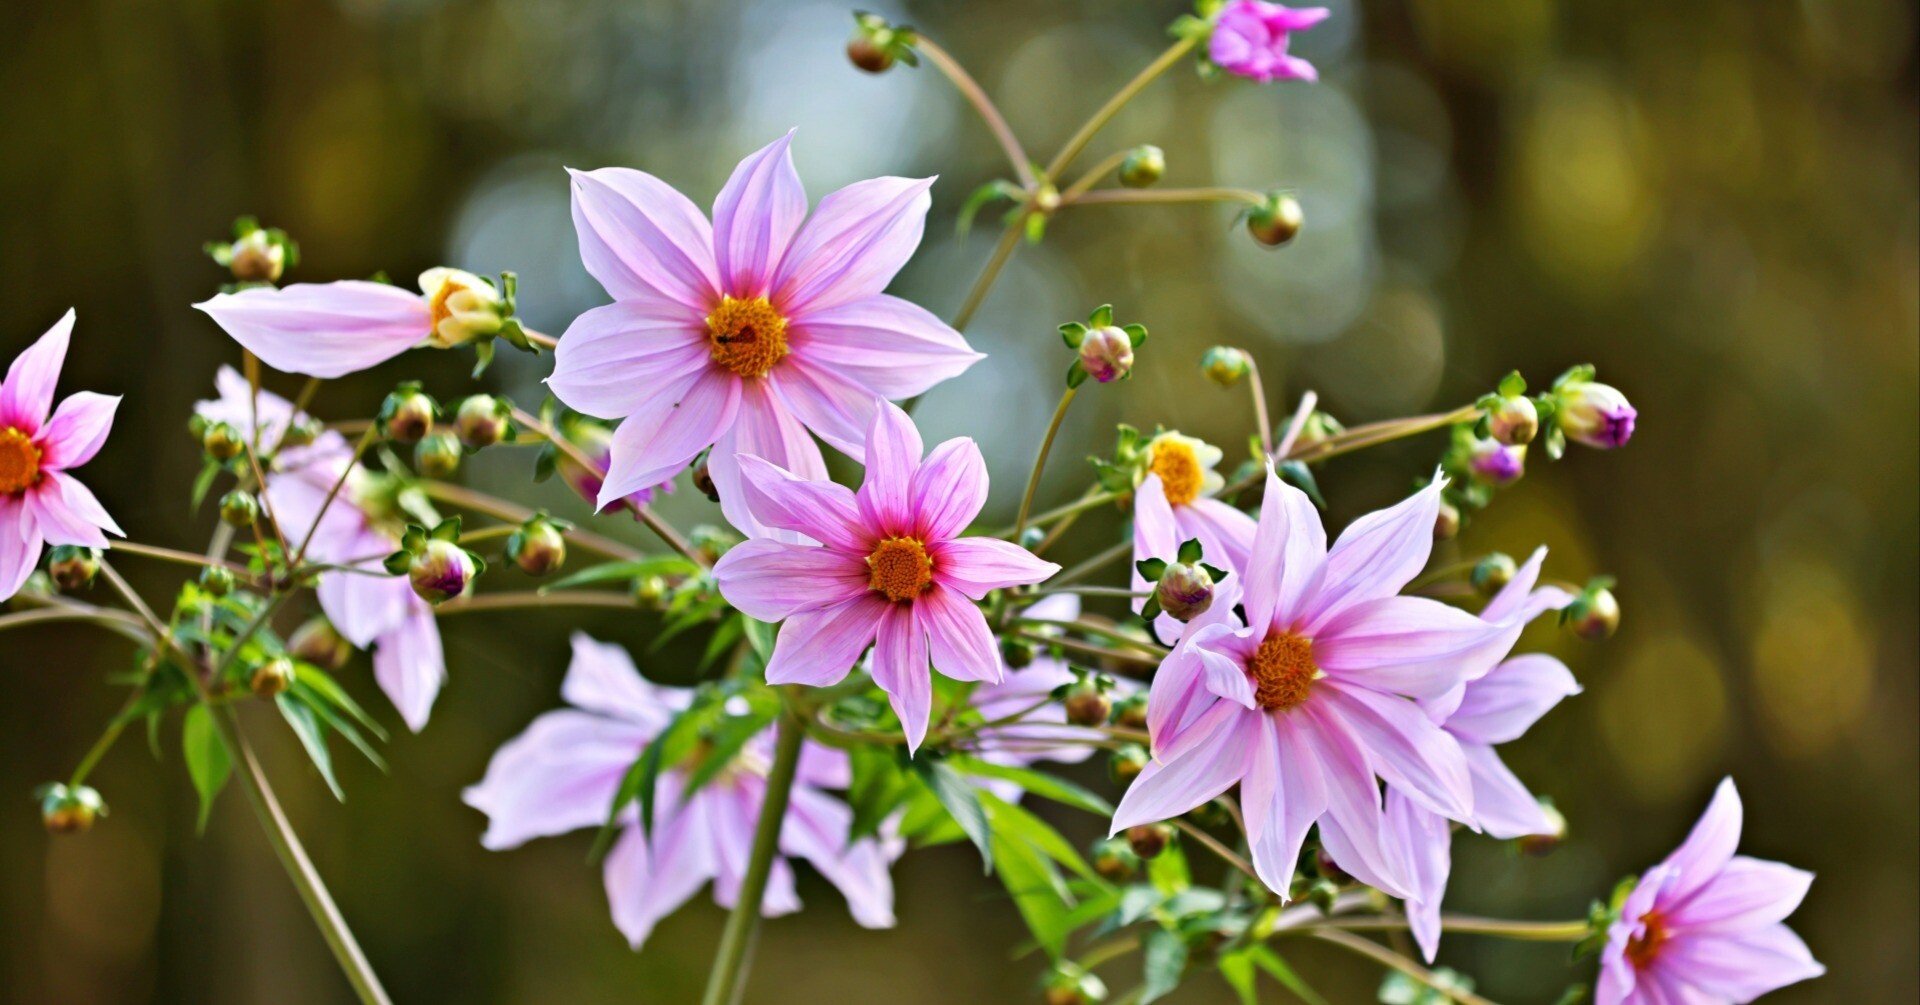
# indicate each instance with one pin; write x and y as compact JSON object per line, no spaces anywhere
{"x":206,"y":756}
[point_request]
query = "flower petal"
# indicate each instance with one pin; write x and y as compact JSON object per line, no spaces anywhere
{"x":650,"y":447}
{"x":1216,"y":756}
{"x":835,"y":408}
{"x":409,"y":665}
{"x":1179,"y":696}
{"x":893,"y":454}
{"x":773,"y":580}
{"x":1279,"y":804}
{"x":68,"y":513}
{"x":823,"y":510}
{"x":1749,"y":893}
{"x":819,"y":647}
{"x":1709,"y":847}
{"x":1221,"y":649}
{"x":1155,"y":534}
{"x":1512,"y":697}
{"x":559,"y":775}
{"x":976,"y":565}
{"x":77,"y":430}
{"x":20,"y":545}
{"x":1412,"y":646}
{"x":1289,"y":545}
{"x":647,"y":883}
{"x":1404,"y":747}
{"x":1376,"y":555}
{"x":1502,"y":806}
{"x":642,"y":240}
{"x":958,"y":640}
{"x":619,"y":359}
{"x":1353,"y":829}
{"x":899,"y":666}
{"x":27,"y":392}
{"x":816,"y":828}
{"x":602,"y":678}
{"x":1739,"y":968}
{"x":323,"y":329}
{"x":766,"y":429}
{"x":893,"y":348}
{"x":852,"y":246}
{"x":948,"y":489}
{"x":755,"y":217}
{"x":1425,"y":842}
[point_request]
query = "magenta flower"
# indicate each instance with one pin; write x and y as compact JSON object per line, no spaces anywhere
{"x":1250,"y":40}
{"x":563,"y":772}
{"x":1306,"y":707}
{"x":1706,"y":925}
{"x":40,"y":504}
{"x":890,"y":569}
{"x":747,"y":333}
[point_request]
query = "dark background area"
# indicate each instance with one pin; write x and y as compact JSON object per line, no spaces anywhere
{"x":1715,"y":202}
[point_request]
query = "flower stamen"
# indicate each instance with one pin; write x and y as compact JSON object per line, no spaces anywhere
{"x":1283,"y":671}
{"x":1180,"y":471}
{"x":1643,"y":947}
{"x":900,"y":568}
{"x":19,"y":462}
{"x":437,"y":308}
{"x":747,"y":336}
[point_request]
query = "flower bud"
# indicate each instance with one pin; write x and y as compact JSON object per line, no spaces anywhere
{"x":272,"y":677}
{"x":438,"y":455}
{"x":482,"y":421}
{"x":537,"y":547}
{"x":1127,"y":762}
{"x":865,"y":54}
{"x":1513,"y":420}
{"x":319,"y":643}
{"x":69,"y":810}
{"x":216,"y":580}
{"x":1595,"y":414}
{"x":1107,"y":354}
{"x":1185,"y":591}
{"x":1496,"y":463}
{"x":1087,"y":705}
{"x":257,"y":258}
{"x":1594,"y":615}
{"x":1276,"y":220}
{"x":1114,"y":859}
{"x":407,"y":414}
{"x":1546,"y":841}
{"x":702,"y":478}
{"x":1328,"y":869}
{"x":1446,"y":523}
{"x":73,"y":567}
{"x":441,"y":571}
{"x":1225,"y":365}
{"x":1144,"y":166}
{"x":1149,"y":840}
{"x":463,"y":307}
{"x":1131,"y":712}
{"x":1492,"y":572}
{"x":302,"y":431}
{"x":712,"y":542}
{"x":239,"y":508}
{"x":221,"y":441}
{"x":1046,"y":199}
{"x":1018,"y":653}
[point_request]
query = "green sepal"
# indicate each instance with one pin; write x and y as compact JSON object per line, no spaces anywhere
{"x":1152,"y":568}
{"x":1073,"y":333}
{"x":1101,"y":317}
{"x":1136,"y":334}
{"x":1076,"y":374}
{"x":1189,"y":552}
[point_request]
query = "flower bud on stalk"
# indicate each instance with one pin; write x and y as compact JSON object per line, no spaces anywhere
{"x":1276,"y":220}
{"x":216,"y":580}
{"x":1127,"y":762}
{"x":1493,"y":572}
{"x":482,"y":421}
{"x":319,"y":643}
{"x":69,"y":810}
{"x":1018,"y":653}
{"x":1595,"y":414}
{"x":272,"y":677}
{"x":1149,"y":840}
{"x":1106,"y":354}
{"x":1144,"y":166}
{"x":441,"y":571}
{"x":1496,"y":463}
{"x":1087,"y":704}
{"x":1114,"y":859}
{"x":257,"y":258}
{"x":537,"y":547}
{"x":1225,"y":365}
{"x":1185,"y":591}
{"x":702,"y":478}
{"x":438,"y":455}
{"x":239,"y":508}
{"x":876,"y":45}
{"x":73,"y":567}
{"x":1513,"y":420}
{"x":1594,"y":615}
{"x":1131,"y":712}
{"x":1545,"y":842}
{"x":407,"y":414}
{"x":221,"y":441}
{"x":463,"y":306}
{"x":301,"y":432}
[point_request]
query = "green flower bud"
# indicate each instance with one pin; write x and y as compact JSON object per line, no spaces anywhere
{"x":441,"y":571}
{"x":73,"y":567}
{"x":1131,"y":712}
{"x":271,"y":677}
{"x":319,"y":643}
{"x":1087,"y":704}
{"x":1185,"y":591}
{"x":1276,"y":220}
{"x":1144,"y":166}
{"x":1594,"y":615}
{"x":1114,"y":859}
{"x":1493,"y":572}
{"x":239,"y":508}
{"x":482,"y":421}
{"x":1447,"y":522}
{"x":1225,"y":365}
{"x":1513,"y":420}
{"x":1018,"y":653}
{"x":1127,"y":762}
{"x":1149,"y":840}
{"x":66,"y":810}
{"x":537,"y":547}
{"x":216,"y":580}
{"x":257,"y":258}
{"x":407,"y":415}
{"x":438,"y":455}
{"x":222,"y":442}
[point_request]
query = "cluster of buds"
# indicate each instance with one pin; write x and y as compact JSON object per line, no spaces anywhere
{"x":1275,"y":220}
{"x":257,"y":255}
{"x":1103,"y":350}
{"x":69,"y":809}
{"x":1183,"y":588}
{"x":435,"y":565}
{"x":876,"y":45}
{"x":539,"y":546}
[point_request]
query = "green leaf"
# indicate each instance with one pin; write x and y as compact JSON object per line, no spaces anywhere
{"x":1037,"y":892}
{"x":1166,"y":960}
{"x":724,"y":743}
{"x":203,"y":483}
{"x":1167,"y":871}
{"x":1236,"y":968}
{"x":206,"y":756}
{"x":1136,"y":334}
{"x":313,"y":737}
{"x":1513,"y":385}
{"x":1039,"y":783}
{"x":879,"y":786}
{"x":1152,"y":568}
{"x":1266,"y":959}
{"x":1076,"y":374}
{"x":328,"y":689}
{"x":961,"y":802}
{"x":1010,"y":820}
{"x":985,"y":196}
{"x":760,"y":635}
{"x":657,"y":565}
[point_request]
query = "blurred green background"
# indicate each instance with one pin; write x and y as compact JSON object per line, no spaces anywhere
{"x":1715,"y":202}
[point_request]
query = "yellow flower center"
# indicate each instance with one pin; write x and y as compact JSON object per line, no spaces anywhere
{"x":747,"y":336}
{"x":19,"y":462}
{"x":1283,"y":671}
{"x":437,"y":308}
{"x":900,"y":568}
{"x":1180,"y":471}
{"x":1642,"y":948}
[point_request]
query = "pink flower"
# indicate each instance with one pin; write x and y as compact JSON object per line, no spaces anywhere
{"x":596,"y":442}
{"x":1174,"y":504}
{"x":890,"y":570}
{"x":562,"y":774}
{"x":237,"y":406}
{"x":40,"y":503}
{"x":747,"y":333}
{"x":1706,"y":925}
{"x":1042,"y":732}
{"x":1250,"y":40}
{"x":1305,"y":708}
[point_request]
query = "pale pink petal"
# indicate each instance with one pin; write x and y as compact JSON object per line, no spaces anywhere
{"x":1747,"y":894}
{"x":734,"y":814}
{"x":1512,"y":697}
{"x":1376,"y":555}
{"x":559,"y":775}
{"x":836,"y":408}
{"x":976,"y":565}
{"x":651,"y":447}
{"x":755,"y":217}
{"x":68,"y":513}
{"x":1279,"y":804}
{"x":1710,"y":846}
{"x":1286,"y":565}
{"x":602,"y":678}
{"x":1425,"y":840}
{"x":824,"y":767}
{"x":958,"y":640}
{"x":77,"y":430}
{"x":893,"y":454}
{"x":645,"y":884}
{"x":949,"y":489}
{"x":1179,"y":694}
{"x":323,"y":329}
{"x":767,"y":429}
{"x":1225,"y":534}
{"x":1407,"y":750}
{"x":773,"y":580}
{"x":1221,"y":650}
{"x":642,"y":240}
{"x":1502,"y":806}
{"x":1154,"y":532}
{"x":365,"y":607}
{"x":1407,"y":645}
{"x":900,"y":654}
{"x":816,"y":829}
{"x":893,"y":348}
{"x":27,"y":392}
{"x":852,"y":246}
{"x":1213,"y":757}
{"x":20,"y":544}
{"x":1739,"y":968}
{"x":819,"y":647}
{"x":624,"y":358}
{"x":409,"y":665}
{"x":822,"y":510}
{"x":1353,"y":828}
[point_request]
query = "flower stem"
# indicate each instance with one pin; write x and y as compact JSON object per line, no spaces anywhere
{"x":729,"y":964}
{"x":1094,"y":174}
{"x":1163,"y":196}
{"x":1387,"y":957}
{"x":1080,"y":505}
{"x":1259,"y":392}
{"x":1009,"y":239}
{"x":1212,"y":844}
{"x":1119,"y":100}
{"x":1040,"y":463}
{"x":1097,"y":631}
{"x":520,"y":599}
{"x":178,"y":557}
{"x":1129,"y":656}
{"x":977,"y":96}
{"x":1462,"y":924}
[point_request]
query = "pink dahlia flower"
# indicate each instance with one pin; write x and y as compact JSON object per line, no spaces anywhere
{"x":237,"y":406}
{"x":1307,"y":706}
{"x":1250,"y":40}
{"x":563,"y":772}
{"x":1706,"y":925}
{"x":746,"y":333}
{"x":40,"y":503}
{"x":890,"y":569}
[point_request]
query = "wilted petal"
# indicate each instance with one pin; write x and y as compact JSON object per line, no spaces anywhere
{"x":755,"y":216}
{"x":976,"y":565}
{"x":894,"y":348}
{"x":893,"y":454}
{"x":764,"y":428}
{"x":651,"y":447}
{"x":559,"y":775}
{"x":815,"y":507}
{"x":27,"y":392}
{"x":958,"y":640}
{"x":409,"y":665}
{"x":948,"y":489}
{"x":855,"y":242}
{"x":1512,"y":697}
{"x":819,"y":647}
{"x":899,"y":666}
{"x":1289,"y":546}
{"x":642,"y":240}
{"x":1215,"y":755}
{"x":323,"y":329}
{"x":1377,"y":555}
{"x":772,"y":580}
{"x":1407,"y":645}
{"x":77,"y":430}
{"x":622,"y":358}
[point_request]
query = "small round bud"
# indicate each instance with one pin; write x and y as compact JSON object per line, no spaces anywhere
{"x":1225,"y":365}
{"x":222,"y":442}
{"x":1211,"y":813}
{"x":319,"y":643}
{"x":1047,"y":199}
{"x":1127,"y":762}
{"x":438,"y":455}
{"x":1031,"y":537}
{"x":703,"y":483}
{"x":1106,"y":354}
{"x":302,"y":431}
{"x":239,"y":508}
{"x":482,"y":421}
{"x":1595,"y":414}
{"x":1087,"y":705}
{"x":441,"y":571}
{"x":1446,"y":523}
{"x":70,"y":810}
{"x":1144,"y":166}
{"x":867,"y":55}
{"x":1131,"y":712}
{"x":1496,"y":463}
{"x":1594,"y":615}
{"x":1276,"y":220}
{"x":407,"y":415}
{"x":216,"y":580}
{"x":1114,"y":859}
{"x":1546,"y":841}
{"x":537,"y":547}
{"x":652,"y":592}
{"x":1514,"y":421}
{"x":1493,"y":572}
{"x":257,"y":258}
{"x":1149,"y":840}
{"x":1185,"y":591}
{"x":1018,"y":653}
{"x":272,"y":677}
{"x":73,"y":567}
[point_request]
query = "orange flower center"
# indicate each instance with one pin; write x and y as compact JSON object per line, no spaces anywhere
{"x":747,"y":336}
{"x":1283,"y":671}
{"x":1179,"y":470}
{"x":1642,"y":948}
{"x":437,"y":308}
{"x":900,"y":568}
{"x":19,"y":462}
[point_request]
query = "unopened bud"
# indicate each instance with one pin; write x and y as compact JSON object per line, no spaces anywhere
{"x":482,"y":421}
{"x":441,"y":571}
{"x":216,"y":580}
{"x":73,"y":567}
{"x":1131,"y":712}
{"x":438,"y":455}
{"x":257,"y":258}
{"x":272,"y":677}
{"x":1225,"y":365}
{"x":1546,"y":841}
{"x":537,"y":547}
{"x":1087,"y":705}
{"x":1446,"y":522}
{"x":1185,"y":591}
{"x":1127,"y":762}
{"x":463,"y":306}
{"x":651,"y":592}
{"x":1496,"y":463}
{"x":1106,"y":354}
{"x":1149,"y":840}
{"x":1492,"y":572}
{"x":1018,"y":653}
{"x":239,"y":508}
{"x":712,"y":542}
{"x":1276,"y":220}
{"x":69,"y":810}
{"x":1114,"y":859}
{"x":319,"y":643}
{"x":407,"y":414}
{"x":702,"y":478}
{"x":1595,"y":414}
{"x":866,"y":55}
{"x":1144,"y":166}
{"x":222,"y":442}
{"x":1513,"y":420}
{"x":301,"y":432}
{"x":1594,"y":615}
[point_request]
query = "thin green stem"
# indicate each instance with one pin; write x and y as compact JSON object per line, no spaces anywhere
{"x":1162,"y":196}
{"x":524,"y":599}
{"x":977,"y":97}
{"x":1131,"y":657}
{"x":1386,"y":957}
{"x":1074,"y":508}
{"x":1259,"y":392}
{"x":1098,"y":631}
{"x":1094,"y":591}
{"x":1463,"y":924}
{"x":1212,"y":844}
{"x":175,"y":556}
{"x":1009,"y":239}
{"x":118,"y":621}
{"x":1094,"y":174}
{"x":729,"y":964}
{"x":1092,"y":565}
{"x":1126,"y":93}
{"x":1040,"y":462}
{"x":108,"y":736}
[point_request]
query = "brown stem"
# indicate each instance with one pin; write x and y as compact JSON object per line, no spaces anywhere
{"x":977,"y":97}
